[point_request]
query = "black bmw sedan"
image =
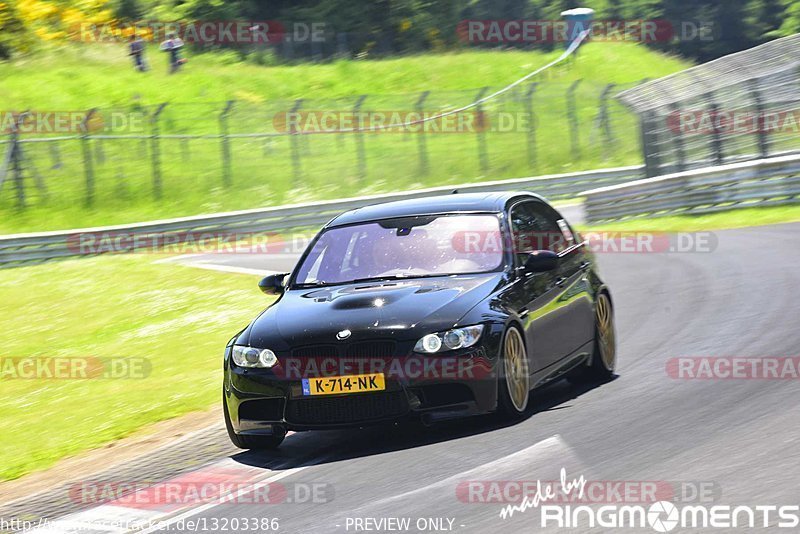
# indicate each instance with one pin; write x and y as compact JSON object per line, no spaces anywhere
{"x":436,"y":308}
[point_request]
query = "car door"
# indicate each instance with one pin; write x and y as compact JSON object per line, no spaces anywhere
{"x":554,"y":310}
{"x":571,"y":276}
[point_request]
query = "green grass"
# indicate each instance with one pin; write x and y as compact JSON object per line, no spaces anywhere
{"x":739,"y":218}
{"x":177,"y":317}
{"x":81,"y":77}
{"x":262,"y":171}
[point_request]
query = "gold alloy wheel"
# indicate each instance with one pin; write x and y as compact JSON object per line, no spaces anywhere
{"x":606,"y":340}
{"x":516,"y":369}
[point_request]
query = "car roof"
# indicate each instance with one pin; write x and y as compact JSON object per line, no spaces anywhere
{"x":493,"y":202}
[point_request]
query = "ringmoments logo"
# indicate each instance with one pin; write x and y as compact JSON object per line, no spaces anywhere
{"x":555,"y":504}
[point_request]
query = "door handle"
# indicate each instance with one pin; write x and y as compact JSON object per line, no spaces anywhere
{"x":560,"y":281}
{"x":585,"y":265}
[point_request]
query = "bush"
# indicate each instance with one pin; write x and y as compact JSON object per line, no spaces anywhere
{"x":14,"y":37}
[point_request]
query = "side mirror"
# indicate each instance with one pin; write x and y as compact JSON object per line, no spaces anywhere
{"x":540,"y":261}
{"x":272,"y":284}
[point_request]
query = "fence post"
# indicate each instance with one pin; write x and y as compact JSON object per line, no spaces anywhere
{"x":16,"y":169}
{"x":677,"y":138}
{"x":572,"y":116}
{"x":55,"y":156}
{"x":481,"y":124}
{"x":225,"y":144}
{"x":605,"y":121}
{"x":155,"y":139}
{"x":295,"y":151}
{"x":99,"y":153}
{"x":360,"y":154}
{"x":421,"y":141}
{"x":13,"y":160}
{"x":88,"y":166}
{"x":716,"y":139}
{"x":761,"y":131}
{"x":531,"y":125}
{"x":652,"y":165}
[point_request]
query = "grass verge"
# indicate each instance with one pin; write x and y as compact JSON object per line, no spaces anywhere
{"x":178,"y":318}
{"x":739,"y":218}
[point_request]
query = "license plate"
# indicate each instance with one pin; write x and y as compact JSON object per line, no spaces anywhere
{"x":336,"y":385}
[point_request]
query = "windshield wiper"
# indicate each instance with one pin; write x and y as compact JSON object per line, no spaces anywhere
{"x":387,"y":278}
{"x":306,"y":285}
{"x":309,"y":285}
{"x":377,"y":279}
{"x":396,"y":277}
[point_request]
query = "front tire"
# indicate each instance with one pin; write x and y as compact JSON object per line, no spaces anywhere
{"x":513,"y":388}
{"x":249,"y":442}
{"x":604,"y":357}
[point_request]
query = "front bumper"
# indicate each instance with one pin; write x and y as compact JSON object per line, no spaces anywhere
{"x":454,"y":384}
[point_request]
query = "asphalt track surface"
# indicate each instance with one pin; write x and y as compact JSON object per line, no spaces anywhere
{"x":738,"y":437}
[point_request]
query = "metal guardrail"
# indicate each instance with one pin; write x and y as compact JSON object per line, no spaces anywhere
{"x":21,"y":249}
{"x":764,"y":182}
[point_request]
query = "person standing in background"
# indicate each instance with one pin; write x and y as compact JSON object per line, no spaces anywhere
{"x":173,"y":47}
{"x":136,"y":50}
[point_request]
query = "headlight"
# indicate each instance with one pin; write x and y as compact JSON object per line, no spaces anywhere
{"x":253,"y":357}
{"x":457,"y":338}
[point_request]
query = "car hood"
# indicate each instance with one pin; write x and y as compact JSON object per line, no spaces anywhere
{"x":400,"y":309}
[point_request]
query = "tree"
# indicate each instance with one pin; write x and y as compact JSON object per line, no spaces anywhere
{"x":128,"y":10}
{"x":791,"y":21}
{"x":14,"y":36}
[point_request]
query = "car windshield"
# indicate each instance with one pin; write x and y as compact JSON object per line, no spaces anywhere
{"x":404,"y":248}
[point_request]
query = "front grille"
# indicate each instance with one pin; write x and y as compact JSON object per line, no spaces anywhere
{"x":347,"y":409}
{"x":316,"y":351}
{"x":371,"y":349}
{"x":359,"y":349}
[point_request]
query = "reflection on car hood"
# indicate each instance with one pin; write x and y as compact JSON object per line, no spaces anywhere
{"x":400,"y":309}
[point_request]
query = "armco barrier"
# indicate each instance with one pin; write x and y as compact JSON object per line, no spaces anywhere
{"x":23,"y":249}
{"x":764,"y":182}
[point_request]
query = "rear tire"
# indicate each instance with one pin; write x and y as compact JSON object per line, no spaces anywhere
{"x":513,"y":387}
{"x":249,"y":442}
{"x":604,"y":357}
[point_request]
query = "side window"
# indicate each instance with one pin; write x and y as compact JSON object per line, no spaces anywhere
{"x":534,"y":228}
{"x":570,"y":236}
